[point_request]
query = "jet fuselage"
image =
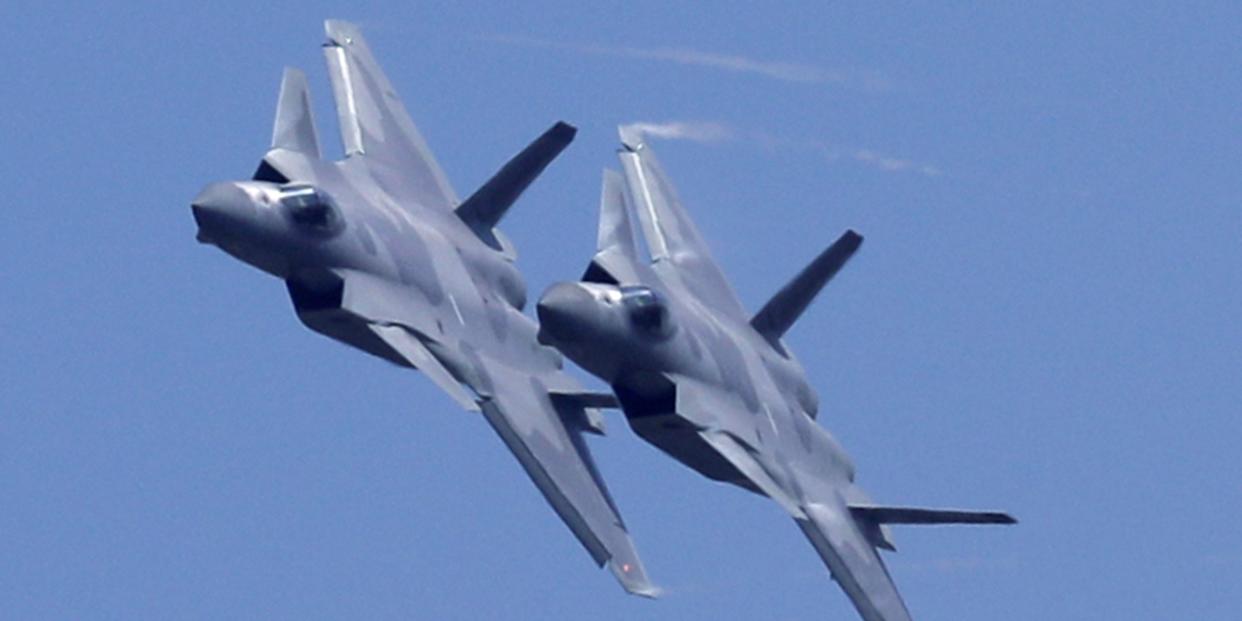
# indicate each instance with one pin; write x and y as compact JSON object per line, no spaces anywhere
{"x":637,"y":337}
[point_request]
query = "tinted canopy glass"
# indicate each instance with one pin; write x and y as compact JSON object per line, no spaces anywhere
{"x":310,"y":207}
{"x":647,"y":310}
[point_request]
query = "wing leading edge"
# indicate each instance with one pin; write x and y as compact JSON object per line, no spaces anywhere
{"x":546,"y":436}
{"x":855,"y":563}
{"x":835,"y":534}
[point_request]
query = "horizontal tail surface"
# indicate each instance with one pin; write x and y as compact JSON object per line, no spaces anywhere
{"x":915,"y":515}
{"x":484,"y":209}
{"x":775,"y":318}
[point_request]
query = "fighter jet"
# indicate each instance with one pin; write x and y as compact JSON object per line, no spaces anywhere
{"x":716,"y":388}
{"x":378,"y":253}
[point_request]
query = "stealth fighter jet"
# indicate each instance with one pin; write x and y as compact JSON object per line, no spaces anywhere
{"x":716,"y":388}
{"x":378,"y":252}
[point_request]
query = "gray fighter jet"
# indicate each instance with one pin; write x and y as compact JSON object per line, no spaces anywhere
{"x":716,"y":388}
{"x":378,"y":253}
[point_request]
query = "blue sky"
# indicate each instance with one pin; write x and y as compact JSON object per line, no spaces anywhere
{"x":1044,"y":316}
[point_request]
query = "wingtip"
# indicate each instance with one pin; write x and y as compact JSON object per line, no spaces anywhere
{"x":633,"y":579}
{"x":647,"y":592}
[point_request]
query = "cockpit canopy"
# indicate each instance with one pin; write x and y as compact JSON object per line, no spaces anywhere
{"x":311,"y":208}
{"x":647,"y":310}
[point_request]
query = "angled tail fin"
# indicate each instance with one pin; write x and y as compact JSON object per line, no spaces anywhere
{"x":375,"y":125}
{"x":677,"y":249}
{"x":295,"y":125}
{"x":484,"y":209}
{"x":294,"y":128}
{"x":787,"y":305}
{"x":615,"y":234}
{"x":616,"y":256}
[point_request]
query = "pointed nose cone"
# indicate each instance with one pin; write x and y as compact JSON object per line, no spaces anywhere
{"x":219,"y":209}
{"x":564,"y":312}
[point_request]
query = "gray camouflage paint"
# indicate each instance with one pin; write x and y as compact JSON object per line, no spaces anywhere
{"x":716,"y":389}
{"x":378,"y":253}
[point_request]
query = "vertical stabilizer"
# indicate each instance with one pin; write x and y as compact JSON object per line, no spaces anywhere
{"x":676,"y":247}
{"x":616,"y":257}
{"x":615,"y":233}
{"x":295,"y":126}
{"x":375,"y":125}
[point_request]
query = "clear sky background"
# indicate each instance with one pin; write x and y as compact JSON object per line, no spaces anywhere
{"x":1043,"y":319}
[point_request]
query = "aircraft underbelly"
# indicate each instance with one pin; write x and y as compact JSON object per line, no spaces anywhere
{"x":680,"y":440}
{"x":350,"y":329}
